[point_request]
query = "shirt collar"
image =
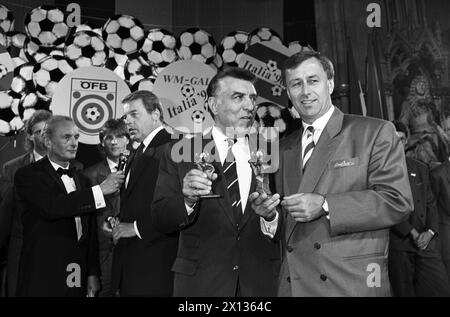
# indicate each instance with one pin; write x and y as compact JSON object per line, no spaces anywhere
{"x":112,"y":165}
{"x":150,"y":137}
{"x":321,"y":122}
{"x":221,"y":138}
{"x":37,"y":156}
{"x":56,"y":165}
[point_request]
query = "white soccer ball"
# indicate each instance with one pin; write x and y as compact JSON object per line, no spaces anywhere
{"x":264,"y":34}
{"x":6,"y":19}
{"x":232,"y":47}
{"x":159,"y":48}
{"x":86,"y":48}
{"x":124,"y":34}
{"x":196,"y":44}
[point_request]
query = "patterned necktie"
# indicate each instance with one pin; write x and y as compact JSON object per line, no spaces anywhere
{"x":231,"y":177}
{"x":309,"y":145}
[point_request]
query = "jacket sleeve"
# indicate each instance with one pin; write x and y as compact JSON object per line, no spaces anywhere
{"x":168,"y":210}
{"x":432,"y":221}
{"x":387,"y":199}
{"x":38,"y":193}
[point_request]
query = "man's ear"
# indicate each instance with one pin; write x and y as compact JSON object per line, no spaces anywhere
{"x":330,"y":83}
{"x":47,"y":142}
{"x":156,"y":115}
{"x":212,"y":104}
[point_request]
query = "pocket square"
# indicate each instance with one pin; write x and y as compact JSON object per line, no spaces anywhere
{"x":345,"y":162}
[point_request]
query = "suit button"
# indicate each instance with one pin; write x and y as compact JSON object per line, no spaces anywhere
{"x":288,"y":279}
{"x":236,"y":267}
{"x":323,"y":277}
{"x":289,"y":248}
{"x":317,"y":246}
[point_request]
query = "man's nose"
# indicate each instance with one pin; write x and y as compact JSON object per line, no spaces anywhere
{"x":249,"y":104}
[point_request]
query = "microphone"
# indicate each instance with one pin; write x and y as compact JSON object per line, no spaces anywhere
{"x":123,"y":159}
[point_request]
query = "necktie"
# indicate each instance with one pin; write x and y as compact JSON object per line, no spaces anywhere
{"x":309,"y":145}
{"x":139,"y":151}
{"x":231,"y":177}
{"x":69,"y":172}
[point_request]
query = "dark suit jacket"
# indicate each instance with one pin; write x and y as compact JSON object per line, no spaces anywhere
{"x":440,"y":182}
{"x":359,"y":165}
{"x":424,"y":216}
{"x":141,"y":267}
{"x":214,"y":253}
{"x":50,"y":245}
{"x":97,"y":174}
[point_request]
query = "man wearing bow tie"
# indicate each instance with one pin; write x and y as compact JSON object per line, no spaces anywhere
{"x":344,"y":182}
{"x":59,"y":254}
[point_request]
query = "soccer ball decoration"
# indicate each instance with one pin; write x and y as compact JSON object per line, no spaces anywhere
{"x":86,"y":48}
{"x":217,"y":62}
{"x":35,"y":53}
{"x":137,"y":69}
{"x":270,"y":115}
{"x":124,"y":34}
{"x":6,"y":19}
{"x":16,"y":43}
{"x":9,"y":121}
{"x":116,"y":63}
{"x":196,"y":44}
{"x":47,"y":73}
{"x":144,"y":84}
{"x":22,"y":82}
{"x":264,"y":34}
{"x":198,"y":116}
{"x":46,"y":26}
{"x":296,"y":47}
{"x":159,"y":48}
{"x":3,"y":71}
{"x":232,"y":47}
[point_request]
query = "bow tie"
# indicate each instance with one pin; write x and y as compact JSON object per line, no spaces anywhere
{"x":69,"y":172}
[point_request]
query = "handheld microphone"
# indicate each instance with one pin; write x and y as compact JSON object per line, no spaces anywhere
{"x":123,"y":159}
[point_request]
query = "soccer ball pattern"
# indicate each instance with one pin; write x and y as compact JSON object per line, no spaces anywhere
{"x":46,"y":26}
{"x":3,"y":71}
{"x":137,"y":69}
{"x":198,"y":116}
{"x":35,"y":53}
{"x":264,"y":34}
{"x":86,"y":48}
{"x":144,"y":84}
{"x":296,"y":47}
{"x":116,"y":63}
{"x":124,"y":34}
{"x":159,"y":48}
{"x":47,"y":73}
{"x":232,"y":47}
{"x":7,"y":115}
{"x":6,"y":19}
{"x":22,"y":82}
{"x":270,"y":115}
{"x":196,"y":44}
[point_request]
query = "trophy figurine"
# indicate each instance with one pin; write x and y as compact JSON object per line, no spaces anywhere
{"x":203,"y":162}
{"x":258,"y":161}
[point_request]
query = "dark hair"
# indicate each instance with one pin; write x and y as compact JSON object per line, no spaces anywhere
{"x":114,"y":126}
{"x":295,"y":60}
{"x":53,"y":122}
{"x":37,"y":117}
{"x":401,"y":127}
{"x":233,"y":72}
{"x":149,"y":99}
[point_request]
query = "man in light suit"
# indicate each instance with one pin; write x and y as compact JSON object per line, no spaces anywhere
{"x":114,"y":138}
{"x":344,"y":182}
{"x":222,"y":250}
{"x":143,"y":255}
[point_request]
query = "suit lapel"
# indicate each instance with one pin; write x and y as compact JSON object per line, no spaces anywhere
{"x":323,"y":152}
{"x":51,"y":171}
{"x":292,"y":171}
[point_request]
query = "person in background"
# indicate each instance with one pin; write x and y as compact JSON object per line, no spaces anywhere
{"x":114,"y":138}
{"x":415,"y":263}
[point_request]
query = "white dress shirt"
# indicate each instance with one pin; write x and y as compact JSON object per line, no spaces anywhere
{"x":69,"y":184}
{"x":269,"y":228}
{"x":112,"y":165}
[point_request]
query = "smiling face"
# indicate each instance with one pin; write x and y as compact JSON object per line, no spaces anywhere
{"x":62,"y":145}
{"x":309,"y":89}
{"x":234,"y":105}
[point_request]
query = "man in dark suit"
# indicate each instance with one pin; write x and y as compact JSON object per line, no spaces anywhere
{"x":440,"y":183}
{"x":59,"y":253}
{"x":114,"y":139}
{"x":143,"y":255}
{"x":10,"y":225}
{"x":415,"y":263}
{"x":344,"y":182}
{"x":222,"y":251}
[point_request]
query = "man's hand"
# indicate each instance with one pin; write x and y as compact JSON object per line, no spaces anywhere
{"x":264,"y":205}
{"x":93,"y":285}
{"x":112,"y":183}
{"x":304,"y":207}
{"x":423,"y":240}
{"x":195,"y":184}
{"x":414,"y":234}
{"x":123,"y":230}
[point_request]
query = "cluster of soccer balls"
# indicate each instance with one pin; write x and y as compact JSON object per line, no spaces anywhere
{"x":49,"y":49}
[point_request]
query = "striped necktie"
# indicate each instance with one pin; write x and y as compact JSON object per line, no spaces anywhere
{"x":231,"y":177}
{"x":309,"y":145}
